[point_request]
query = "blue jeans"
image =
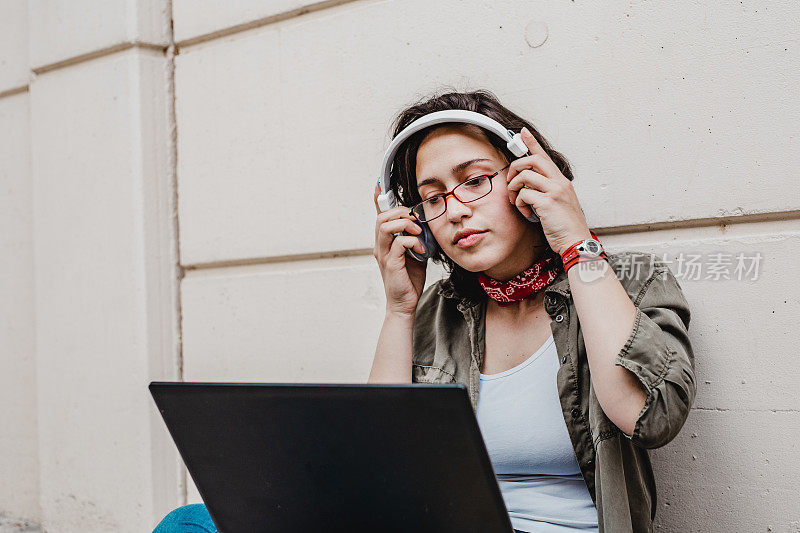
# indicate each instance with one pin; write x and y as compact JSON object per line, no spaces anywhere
{"x":192,"y":518}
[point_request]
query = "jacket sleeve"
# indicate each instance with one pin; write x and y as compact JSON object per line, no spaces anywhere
{"x":659,"y":353}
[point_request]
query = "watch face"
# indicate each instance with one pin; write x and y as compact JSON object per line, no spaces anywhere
{"x":590,"y":248}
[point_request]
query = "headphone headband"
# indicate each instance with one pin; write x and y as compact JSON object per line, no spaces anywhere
{"x":514,"y":142}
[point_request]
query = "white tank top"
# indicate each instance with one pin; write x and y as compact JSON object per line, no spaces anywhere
{"x":519,"y":414}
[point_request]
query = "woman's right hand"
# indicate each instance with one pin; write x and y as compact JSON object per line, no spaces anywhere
{"x":403,"y":276}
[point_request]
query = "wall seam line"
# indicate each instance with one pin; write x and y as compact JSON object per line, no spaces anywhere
{"x":95,"y":54}
{"x":259,"y":23}
{"x":600,"y":230}
{"x":773,"y":216}
{"x":171,"y":51}
{"x":355,"y":252}
{"x":14,"y":90}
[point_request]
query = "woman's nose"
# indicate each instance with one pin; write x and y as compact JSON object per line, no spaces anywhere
{"x":456,"y":210}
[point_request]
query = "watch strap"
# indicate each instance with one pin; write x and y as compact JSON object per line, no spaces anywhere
{"x":570,"y":257}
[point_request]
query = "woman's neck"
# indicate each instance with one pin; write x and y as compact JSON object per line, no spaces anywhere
{"x":516,"y":311}
{"x":521,"y":259}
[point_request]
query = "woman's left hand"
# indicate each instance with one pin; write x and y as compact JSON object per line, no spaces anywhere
{"x":535,"y":180}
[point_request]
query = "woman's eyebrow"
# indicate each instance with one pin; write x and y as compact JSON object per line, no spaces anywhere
{"x":455,"y":170}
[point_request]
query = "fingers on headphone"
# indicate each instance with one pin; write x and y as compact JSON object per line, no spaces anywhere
{"x":403,"y":242}
{"x":398,"y":225}
{"x":399,"y":212}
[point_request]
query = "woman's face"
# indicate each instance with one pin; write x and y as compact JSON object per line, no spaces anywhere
{"x":506,"y":245}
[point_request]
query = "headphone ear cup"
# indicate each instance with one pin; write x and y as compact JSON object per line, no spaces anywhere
{"x":428,"y":243}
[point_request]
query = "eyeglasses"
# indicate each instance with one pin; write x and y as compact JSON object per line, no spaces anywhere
{"x":468,"y":191}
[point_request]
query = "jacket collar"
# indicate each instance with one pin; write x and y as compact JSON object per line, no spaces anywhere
{"x":560,"y":285}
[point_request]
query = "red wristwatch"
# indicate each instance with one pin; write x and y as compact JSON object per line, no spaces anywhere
{"x":585,"y":250}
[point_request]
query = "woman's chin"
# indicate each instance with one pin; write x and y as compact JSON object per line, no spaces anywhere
{"x":472,"y":262}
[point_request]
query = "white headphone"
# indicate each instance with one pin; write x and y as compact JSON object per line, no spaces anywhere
{"x":387,"y":199}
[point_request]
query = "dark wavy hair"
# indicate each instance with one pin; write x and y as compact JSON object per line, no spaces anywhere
{"x":403,"y":180}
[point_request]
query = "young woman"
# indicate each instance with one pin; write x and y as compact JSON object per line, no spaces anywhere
{"x":575,"y":367}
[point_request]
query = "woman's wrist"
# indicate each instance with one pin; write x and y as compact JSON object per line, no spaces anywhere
{"x":399,"y":316}
{"x":570,"y":256}
{"x":576,"y":238}
{"x":393,"y":354}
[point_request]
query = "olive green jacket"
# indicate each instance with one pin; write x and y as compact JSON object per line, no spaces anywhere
{"x":449,"y":343}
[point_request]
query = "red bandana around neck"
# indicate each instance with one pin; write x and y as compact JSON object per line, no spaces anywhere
{"x":526,"y":284}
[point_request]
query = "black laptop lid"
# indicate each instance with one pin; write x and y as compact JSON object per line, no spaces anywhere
{"x":308,"y":457}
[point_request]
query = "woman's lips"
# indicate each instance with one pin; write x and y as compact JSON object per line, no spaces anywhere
{"x":470,"y":240}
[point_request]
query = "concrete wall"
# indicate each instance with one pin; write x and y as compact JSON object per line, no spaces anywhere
{"x":91,"y":238}
{"x":187,"y":191}
{"x":19,"y":465}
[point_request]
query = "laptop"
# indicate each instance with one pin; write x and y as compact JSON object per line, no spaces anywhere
{"x":324,"y":457}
